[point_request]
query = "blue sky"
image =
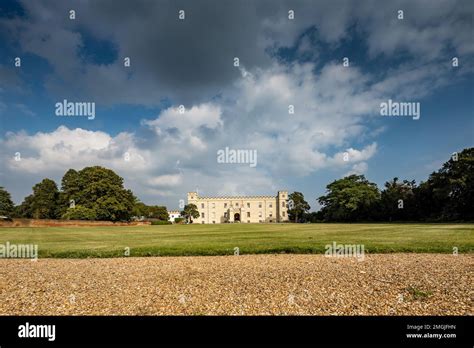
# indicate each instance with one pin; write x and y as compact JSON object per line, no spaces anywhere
{"x":190,"y":63}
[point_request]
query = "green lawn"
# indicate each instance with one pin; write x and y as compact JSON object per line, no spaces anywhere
{"x":249,"y":238}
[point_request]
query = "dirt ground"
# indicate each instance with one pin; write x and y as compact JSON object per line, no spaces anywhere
{"x":382,"y":284}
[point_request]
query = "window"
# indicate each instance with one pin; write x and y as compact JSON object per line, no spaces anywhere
{"x":248,"y":205}
{"x":202,"y":215}
{"x":213,"y":222}
{"x":260,"y":221}
{"x":213,"y":205}
{"x":283,"y":204}
{"x":225,"y":205}
{"x":202,"y":205}
{"x":225,"y":214}
{"x":259,"y":204}
{"x":236,"y":204}
{"x":248,"y":221}
{"x":270,"y":215}
{"x":203,"y":222}
{"x":260,"y":214}
{"x":283,"y":213}
{"x":270,"y":205}
{"x":248,"y":214}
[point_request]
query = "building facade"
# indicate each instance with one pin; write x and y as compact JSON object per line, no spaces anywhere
{"x":173,"y":214}
{"x":245,"y":209}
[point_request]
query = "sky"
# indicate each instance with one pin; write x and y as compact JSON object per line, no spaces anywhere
{"x":160,"y":122}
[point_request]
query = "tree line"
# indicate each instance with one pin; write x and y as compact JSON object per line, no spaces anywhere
{"x":447,"y":195}
{"x":93,"y":193}
{"x":97,"y":193}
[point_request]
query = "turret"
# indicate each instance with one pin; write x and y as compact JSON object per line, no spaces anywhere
{"x":282,"y":202}
{"x":192,"y":197}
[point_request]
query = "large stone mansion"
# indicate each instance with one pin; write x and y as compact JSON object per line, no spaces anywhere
{"x":246,"y":209}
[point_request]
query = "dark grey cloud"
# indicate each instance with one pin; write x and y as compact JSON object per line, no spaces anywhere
{"x":184,"y":60}
{"x":191,"y":61}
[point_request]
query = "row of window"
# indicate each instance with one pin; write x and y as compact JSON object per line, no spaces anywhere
{"x":248,"y":221}
{"x":213,"y":214}
{"x":270,"y":205}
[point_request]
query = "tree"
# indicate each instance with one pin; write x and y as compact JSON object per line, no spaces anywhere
{"x":70,"y":184}
{"x":397,"y":202}
{"x":150,"y":211}
{"x":315,"y":216}
{"x":298,"y":206}
{"x":43,"y":203}
{"x":140,"y":209}
{"x":79,"y":213}
{"x":24,"y":209}
{"x":101,"y":190}
{"x":349,"y":199}
{"x":190,"y":212}
{"x":70,"y":189}
{"x":158,"y":212}
{"x":448,"y":194}
{"x":6,"y":203}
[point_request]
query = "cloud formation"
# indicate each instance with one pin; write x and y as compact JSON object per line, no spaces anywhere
{"x":190,"y":61}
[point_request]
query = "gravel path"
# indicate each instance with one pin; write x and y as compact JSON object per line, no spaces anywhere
{"x":384,"y":284}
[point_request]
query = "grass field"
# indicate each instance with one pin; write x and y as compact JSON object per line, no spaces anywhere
{"x":79,"y":242}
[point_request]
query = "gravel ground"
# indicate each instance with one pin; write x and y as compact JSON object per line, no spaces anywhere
{"x":384,"y":284}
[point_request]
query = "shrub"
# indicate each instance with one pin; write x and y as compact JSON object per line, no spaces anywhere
{"x":160,"y":222}
{"x":179,"y":220}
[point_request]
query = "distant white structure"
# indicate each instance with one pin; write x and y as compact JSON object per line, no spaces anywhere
{"x":173,"y":214}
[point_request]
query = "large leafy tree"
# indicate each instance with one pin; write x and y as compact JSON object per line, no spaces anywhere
{"x":70,"y":184}
{"x":116,"y":207}
{"x":43,"y":203}
{"x":298,"y":206}
{"x":24,"y":209}
{"x":6,"y":203}
{"x":79,"y":212}
{"x":397,"y":201}
{"x":349,"y":199}
{"x":190,"y":212}
{"x":448,"y":194}
{"x":140,"y":209}
{"x":98,"y":189}
{"x":158,"y":212}
{"x":70,"y":188}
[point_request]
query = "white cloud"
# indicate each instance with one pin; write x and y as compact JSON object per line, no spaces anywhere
{"x":358,"y":168}
{"x":353,"y":156}
{"x":329,"y":110}
{"x":64,"y":148}
{"x":176,"y":128}
{"x":166,"y":180}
